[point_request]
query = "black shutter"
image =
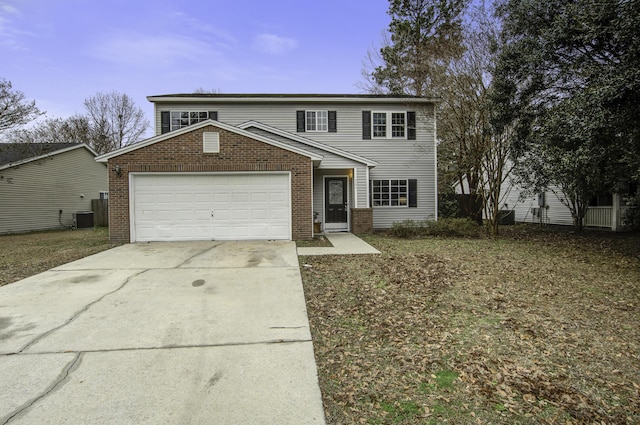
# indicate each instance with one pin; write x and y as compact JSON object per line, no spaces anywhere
{"x":366,"y":125}
{"x":213,"y":115}
{"x":300,"y":123}
{"x":333,"y":121}
{"x":165,"y":122}
{"x":413,"y":193}
{"x":411,"y":125}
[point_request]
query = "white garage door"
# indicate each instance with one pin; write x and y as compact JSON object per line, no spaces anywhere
{"x":178,"y":207}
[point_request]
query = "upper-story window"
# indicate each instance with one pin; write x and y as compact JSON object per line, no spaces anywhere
{"x":174,"y":120}
{"x":389,"y":125}
{"x":181,"y":119}
{"x":316,"y":121}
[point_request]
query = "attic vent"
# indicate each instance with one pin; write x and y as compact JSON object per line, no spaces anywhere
{"x":210,"y":142}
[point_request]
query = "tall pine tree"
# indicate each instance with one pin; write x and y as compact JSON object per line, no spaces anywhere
{"x":425,"y":35}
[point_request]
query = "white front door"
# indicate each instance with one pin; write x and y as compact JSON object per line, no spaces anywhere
{"x":177,"y":207}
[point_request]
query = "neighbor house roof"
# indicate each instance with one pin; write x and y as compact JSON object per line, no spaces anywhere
{"x":14,"y":154}
{"x":289,"y":98}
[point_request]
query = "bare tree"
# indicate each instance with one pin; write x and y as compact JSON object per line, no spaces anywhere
{"x":74,"y":129}
{"x":15,"y":110}
{"x":201,"y":90}
{"x":115,"y":121}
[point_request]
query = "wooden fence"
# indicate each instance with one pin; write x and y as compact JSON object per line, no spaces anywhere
{"x":100,"y":208}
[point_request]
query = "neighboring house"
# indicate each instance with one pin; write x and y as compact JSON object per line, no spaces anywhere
{"x":43,"y":184}
{"x":606,"y":211}
{"x":227,"y":166}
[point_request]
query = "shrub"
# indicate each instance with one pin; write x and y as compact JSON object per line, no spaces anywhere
{"x":456,"y":227}
{"x":631,"y":217}
{"x":406,"y":229}
{"x":448,"y":205}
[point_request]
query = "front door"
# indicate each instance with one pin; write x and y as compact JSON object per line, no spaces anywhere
{"x":335,"y":195}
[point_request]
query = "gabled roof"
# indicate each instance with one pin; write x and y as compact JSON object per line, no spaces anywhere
{"x":288,"y":98}
{"x":202,"y":124}
{"x":309,"y":142}
{"x":15,"y":152}
{"x":38,"y":151}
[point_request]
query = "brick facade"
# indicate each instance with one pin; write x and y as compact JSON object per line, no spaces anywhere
{"x":183,"y":153}
{"x":361,"y":220}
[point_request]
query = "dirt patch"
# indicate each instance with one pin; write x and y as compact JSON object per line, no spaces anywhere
{"x":318,"y":241}
{"x":532,"y":327}
{"x":27,"y":254}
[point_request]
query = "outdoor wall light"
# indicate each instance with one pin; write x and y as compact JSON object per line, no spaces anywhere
{"x":118,"y":170}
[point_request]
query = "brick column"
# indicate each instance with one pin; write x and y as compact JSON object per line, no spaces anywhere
{"x":361,"y":220}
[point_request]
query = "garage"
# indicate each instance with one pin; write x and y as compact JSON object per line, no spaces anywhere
{"x":210,"y":206}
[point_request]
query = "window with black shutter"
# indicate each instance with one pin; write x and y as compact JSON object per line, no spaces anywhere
{"x":366,"y":125}
{"x":300,"y":121}
{"x":411,"y":125}
{"x":413,"y":193}
{"x":165,"y":122}
{"x":333,"y":122}
{"x":394,"y":193}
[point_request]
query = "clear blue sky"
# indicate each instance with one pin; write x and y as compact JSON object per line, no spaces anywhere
{"x":59,"y":52}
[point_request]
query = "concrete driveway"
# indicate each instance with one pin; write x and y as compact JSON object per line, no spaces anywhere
{"x":161,"y":333}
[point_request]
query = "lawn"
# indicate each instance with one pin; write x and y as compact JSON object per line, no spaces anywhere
{"x":26,"y":254}
{"x":533,"y":327}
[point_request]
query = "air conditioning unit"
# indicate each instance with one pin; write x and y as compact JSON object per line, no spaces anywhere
{"x":83,"y":219}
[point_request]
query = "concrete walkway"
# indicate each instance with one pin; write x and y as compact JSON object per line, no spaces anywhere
{"x":161,"y":333}
{"x":343,"y":243}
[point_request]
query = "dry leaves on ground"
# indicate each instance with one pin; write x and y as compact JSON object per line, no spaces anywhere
{"x":525,"y":329}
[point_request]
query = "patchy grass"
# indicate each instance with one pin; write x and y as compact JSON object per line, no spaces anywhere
{"x":533,"y":327}
{"x":26,"y":254}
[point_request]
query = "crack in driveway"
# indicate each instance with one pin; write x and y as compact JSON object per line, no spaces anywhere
{"x":75,"y":315}
{"x":197,"y":255}
{"x":176,"y":347}
{"x":60,"y":380}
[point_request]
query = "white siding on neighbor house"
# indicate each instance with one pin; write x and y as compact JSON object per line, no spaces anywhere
{"x":32,"y":194}
{"x":402,"y":159}
{"x":555,"y":211}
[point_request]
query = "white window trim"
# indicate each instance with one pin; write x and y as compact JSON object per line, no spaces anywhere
{"x":406,"y":205}
{"x":326,"y":121}
{"x":389,"y":125}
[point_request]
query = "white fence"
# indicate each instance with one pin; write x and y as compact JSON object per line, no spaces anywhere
{"x":604,"y":217}
{"x":599,"y":217}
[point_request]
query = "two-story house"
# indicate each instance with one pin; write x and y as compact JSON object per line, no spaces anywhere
{"x":243,"y":166}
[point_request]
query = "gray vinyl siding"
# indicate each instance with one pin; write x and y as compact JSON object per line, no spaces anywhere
{"x":397,"y":159}
{"x":33,"y":193}
{"x":332,"y":164}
